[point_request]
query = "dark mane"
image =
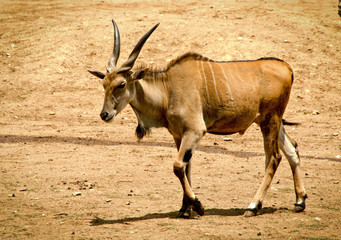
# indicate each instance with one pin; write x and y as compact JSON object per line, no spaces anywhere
{"x":160,"y":72}
{"x":184,"y":57}
{"x":188,"y":56}
{"x":196,"y":56}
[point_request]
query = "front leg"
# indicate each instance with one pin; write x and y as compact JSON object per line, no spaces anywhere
{"x":182,"y":168}
{"x":185,"y":211}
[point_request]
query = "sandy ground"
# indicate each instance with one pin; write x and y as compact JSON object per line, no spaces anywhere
{"x":65,"y":174}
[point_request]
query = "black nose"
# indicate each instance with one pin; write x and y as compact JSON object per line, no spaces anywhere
{"x":104,"y":115}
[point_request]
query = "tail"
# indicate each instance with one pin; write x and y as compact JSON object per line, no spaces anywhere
{"x":284,"y":122}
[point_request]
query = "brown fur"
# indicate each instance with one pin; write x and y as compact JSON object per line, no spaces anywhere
{"x":194,"y":95}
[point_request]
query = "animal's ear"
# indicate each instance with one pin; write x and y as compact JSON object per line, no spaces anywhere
{"x":138,"y":74}
{"x":97,"y":74}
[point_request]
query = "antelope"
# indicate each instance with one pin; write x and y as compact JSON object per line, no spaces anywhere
{"x":194,"y":95}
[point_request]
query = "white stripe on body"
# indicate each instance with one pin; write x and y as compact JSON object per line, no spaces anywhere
{"x":227,"y":82}
{"x":214,"y":82}
{"x":203,"y":71}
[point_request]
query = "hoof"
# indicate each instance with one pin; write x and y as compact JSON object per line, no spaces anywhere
{"x":299,"y":207}
{"x":181,"y":215}
{"x":188,"y":206}
{"x":198,"y":207}
{"x":184,"y":213}
{"x":250,"y":213}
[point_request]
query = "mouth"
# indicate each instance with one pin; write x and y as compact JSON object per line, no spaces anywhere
{"x":109,"y":118}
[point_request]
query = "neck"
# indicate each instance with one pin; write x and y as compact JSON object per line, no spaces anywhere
{"x":150,"y":103}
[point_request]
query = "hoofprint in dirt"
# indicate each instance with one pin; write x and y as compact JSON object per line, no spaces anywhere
{"x":66,"y":174}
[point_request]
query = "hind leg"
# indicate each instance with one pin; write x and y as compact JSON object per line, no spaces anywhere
{"x":289,"y":148}
{"x":270,"y":130}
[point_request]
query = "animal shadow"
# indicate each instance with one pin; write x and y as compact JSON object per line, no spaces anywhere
{"x":172,"y":215}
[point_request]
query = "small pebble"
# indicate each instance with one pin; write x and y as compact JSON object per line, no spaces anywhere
{"x":316,"y":112}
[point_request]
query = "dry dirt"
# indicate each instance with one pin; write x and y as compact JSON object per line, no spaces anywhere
{"x":65,"y":174}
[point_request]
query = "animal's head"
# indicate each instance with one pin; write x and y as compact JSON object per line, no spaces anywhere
{"x":118,"y":81}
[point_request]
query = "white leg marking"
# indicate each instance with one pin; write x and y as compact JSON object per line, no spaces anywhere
{"x":203,"y":122}
{"x":215,"y":85}
{"x":252,"y":206}
{"x":227,"y":82}
{"x":203,"y":71}
{"x":287,"y":148}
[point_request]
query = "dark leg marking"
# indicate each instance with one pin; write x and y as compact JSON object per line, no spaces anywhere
{"x":185,"y":211}
{"x":198,"y":207}
{"x":188,"y":156}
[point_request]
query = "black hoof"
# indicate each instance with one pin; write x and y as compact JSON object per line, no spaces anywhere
{"x":184,"y":213}
{"x":251,"y":212}
{"x":188,"y":206}
{"x":299,"y":207}
{"x":198,"y":207}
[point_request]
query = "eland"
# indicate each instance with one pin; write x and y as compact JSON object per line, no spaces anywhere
{"x":194,"y":95}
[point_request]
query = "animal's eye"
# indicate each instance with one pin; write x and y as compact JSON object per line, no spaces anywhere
{"x":122,"y":85}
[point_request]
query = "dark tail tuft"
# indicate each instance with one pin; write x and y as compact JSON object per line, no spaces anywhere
{"x":289,"y":123}
{"x":292,"y":77}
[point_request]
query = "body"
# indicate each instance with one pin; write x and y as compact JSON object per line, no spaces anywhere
{"x":226,"y":100}
{"x":194,"y":95}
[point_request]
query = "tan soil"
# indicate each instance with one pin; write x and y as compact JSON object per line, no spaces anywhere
{"x":53,"y":143}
